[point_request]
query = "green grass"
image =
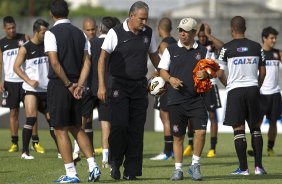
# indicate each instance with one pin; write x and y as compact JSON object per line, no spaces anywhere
{"x":46,"y":167}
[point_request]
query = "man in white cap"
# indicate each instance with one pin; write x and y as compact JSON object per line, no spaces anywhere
{"x":184,"y":103}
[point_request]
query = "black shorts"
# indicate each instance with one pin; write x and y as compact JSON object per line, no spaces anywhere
{"x":194,"y":111}
{"x":15,"y":94}
{"x":41,"y":100}
{"x":212,"y":99}
{"x":90,"y":102}
{"x":63,"y":108}
{"x":270,"y":106}
{"x":242,"y":105}
{"x":161,"y":102}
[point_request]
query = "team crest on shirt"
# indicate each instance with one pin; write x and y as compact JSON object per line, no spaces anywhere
{"x":275,"y":55}
{"x":209,"y":48}
{"x":115,"y":93}
{"x":175,"y":128}
{"x":198,"y":56}
{"x":146,"y":39}
{"x":20,"y":43}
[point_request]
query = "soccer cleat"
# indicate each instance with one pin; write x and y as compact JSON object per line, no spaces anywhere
{"x":162,"y":156}
{"x":59,"y":156}
{"x":38,"y":148}
{"x":211,"y":153}
{"x":27,"y":157}
{"x":188,"y":151}
{"x":177,"y":175}
{"x":270,"y":153}
{"x":98,"y":151}
{"x":115,"y":173}
{"x":238,"y":171}
{"x":260,"y":171}
{"x":94,"y":175}
{"x":250,"y":152}
{"x":67,"y":179}
{"x":105,"y":164}
{"x":195,"y":172}
{"x":13,"y":148}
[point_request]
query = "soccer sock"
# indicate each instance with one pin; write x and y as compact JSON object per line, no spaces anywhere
{"x":195,"y":159}
{"x":213,"y":142}
{"x":15,"y":139}
{"x":89,"y":132}
{"x":27,"y":132}
{"x":241,"y":147}
{"x":91,"y":163}
{"x":178,"y":166}
{"x":35,"y":139}
{"x":190,"y":138}
{"x":257,"y":144}
{"x":270,"y":144}
{"x":105,"y":155}
{"x":76,"y":148}
{"x":168,"y":148}
{"x":70,"y":170}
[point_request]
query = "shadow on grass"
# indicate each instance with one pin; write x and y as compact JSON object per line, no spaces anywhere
{"x":276,"y":176}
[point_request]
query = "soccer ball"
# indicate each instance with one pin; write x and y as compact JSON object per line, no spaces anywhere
{"x":156,"y":86}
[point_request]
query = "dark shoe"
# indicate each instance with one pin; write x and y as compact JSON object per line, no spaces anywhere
{"x":130,"y":178}
{"x":250,"y":152}
{"x":115,"y":173}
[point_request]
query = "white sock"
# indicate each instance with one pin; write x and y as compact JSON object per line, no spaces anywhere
{"x":105,"y":155}
{"x":70,"y":170}
{"x":195,"y":159}
{"x":76,"y":148}
{"x":178,"y":166}
{"x":91,"y":163}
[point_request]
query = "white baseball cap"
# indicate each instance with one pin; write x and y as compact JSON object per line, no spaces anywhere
{"x":187,"y":24}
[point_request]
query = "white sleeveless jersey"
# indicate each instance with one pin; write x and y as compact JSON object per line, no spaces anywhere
{"x":36,"y":66}
{"x":271,"y":81}
{"x":10,"y":48}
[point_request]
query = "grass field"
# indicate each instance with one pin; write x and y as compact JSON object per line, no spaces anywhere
{"x":46,"y":167}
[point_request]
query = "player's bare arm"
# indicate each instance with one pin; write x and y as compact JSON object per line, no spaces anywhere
{"x":173,"y":81}
{"x":101,"y":75}
{"x":216,"y":42}
{"x":221,"y":76}
{"x":155,"y":59}
{"x":261,"y":76}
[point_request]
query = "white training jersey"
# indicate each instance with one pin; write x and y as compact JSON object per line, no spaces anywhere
{"x":10,"y":48}
{"x":271,"y":81}
{"x":243,"y":57}
{"x":36,"y":66}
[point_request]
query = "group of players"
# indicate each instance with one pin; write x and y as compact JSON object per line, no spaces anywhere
{"x":26,"y":68}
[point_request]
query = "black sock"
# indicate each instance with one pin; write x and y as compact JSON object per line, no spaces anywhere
{"x":257,"y":144}
{"x":213,"y":142}
{"x":270,"y":144}
{"x":168,"y":148}
{"x":15,"y":139}
{"x":241,"y":147}
{"x":35,"y":139}
{"x":89,"y":132}
{"x":26,"y":135}
{"x":190,"y":138}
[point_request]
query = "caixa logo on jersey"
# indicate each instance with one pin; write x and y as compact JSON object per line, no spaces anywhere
{"x":40,"y":61}
{"x":245,"y":60}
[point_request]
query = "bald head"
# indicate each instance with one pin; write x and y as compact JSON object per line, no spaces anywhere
{"x":238,"y":24}
{"x":165,"y":25}
{"x":89,"y":27}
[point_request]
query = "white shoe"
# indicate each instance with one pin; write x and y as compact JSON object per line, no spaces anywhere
{"x":27,"y":157}
{"x":105,"y":164}
{"x":161,"y":156}
{"x":75,"y":155}
{"x":59,"y":156}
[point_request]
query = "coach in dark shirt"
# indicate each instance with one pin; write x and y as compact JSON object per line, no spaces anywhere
{"x":127,"y":46}
{"x":184,"y":103}
{"x":67,"y":50}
